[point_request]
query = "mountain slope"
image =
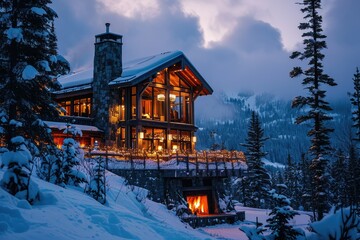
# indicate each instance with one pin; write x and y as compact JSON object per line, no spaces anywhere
{"x":278,"y":120}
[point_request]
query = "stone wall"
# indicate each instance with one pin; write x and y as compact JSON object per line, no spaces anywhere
{"x":151,"y":180}
{"x":169,"y":190}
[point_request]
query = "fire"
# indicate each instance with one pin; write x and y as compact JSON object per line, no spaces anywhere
{"x":198,"y":204}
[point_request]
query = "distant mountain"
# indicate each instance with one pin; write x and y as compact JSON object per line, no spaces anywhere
{"x":278,"y":120}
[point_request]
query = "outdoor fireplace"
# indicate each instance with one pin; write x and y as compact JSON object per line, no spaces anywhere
{"x":201,"y":201}
{"x":198,"y":204}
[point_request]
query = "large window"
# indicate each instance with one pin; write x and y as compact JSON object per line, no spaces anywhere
{"x":180,"y":109}
{"x":77,"y":107}
{"x":133,"y":102}
{"x":180,"y":140}
{"x":66,"y":105}
{"x":121,"y":137}
{"x":154,"y":139}
{"x":122,"y":105}
{"x":153,"y":104}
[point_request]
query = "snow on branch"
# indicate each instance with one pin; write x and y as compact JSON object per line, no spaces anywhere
{"x":45,"y":65}
{"x":29,"y":73}
{"x":15,"y":123}
{"x":38,"y":11}
{"x":15,"y":33}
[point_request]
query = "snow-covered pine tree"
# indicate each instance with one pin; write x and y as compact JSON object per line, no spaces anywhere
{"x":258,"y":178}
{"x":72,"y":176}
{"x":353,"y":178}
{"x":306,"y":188}
{"x":290,"y":177}
{"x":355,"y":101}
{"x":338,"y":182}
{"x":317,"y":107}
{"x":71,"y":154}
{"x":51,"y":164}
{"x":354,"y":161}
{"x":243,"y":190}
{"x":29,"y":66}
{"x":281,"y":214}
{"x":97,"y":185}
{"x":17,"y":177}
{"x":344,"y":222}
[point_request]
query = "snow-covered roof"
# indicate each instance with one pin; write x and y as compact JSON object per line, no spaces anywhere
{"x":136,"y":68}
{"x":76,"y":81}
{"x":62,"y":126}
{"x":134,"y":72}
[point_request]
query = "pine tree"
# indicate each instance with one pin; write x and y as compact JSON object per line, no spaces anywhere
{"x":17,"y":177}
{"x":306,"y":188}
{"x":353,"y":178}
{"x":97,"y":185}
{"x":318,"y":107}
{"x":292,"y":179}
{"x":71,"y":160}
{"x":281,"y":214}
{"x":338,"y":181}
{"x":51,"y":165}
{"x":258,"y":178}
{"x":355,"y":101}
{"x":29,"y":66}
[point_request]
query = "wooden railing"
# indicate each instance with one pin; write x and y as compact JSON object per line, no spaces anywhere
{"x":139,"y":159}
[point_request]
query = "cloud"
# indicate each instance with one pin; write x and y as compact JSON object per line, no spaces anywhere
{"x":132,"y":9}
{"x":343,"y":41}
{"x":248,"y":55}
{"x":250,"y":58}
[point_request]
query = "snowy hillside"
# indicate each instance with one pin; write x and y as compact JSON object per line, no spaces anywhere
{"x":71,"y":214}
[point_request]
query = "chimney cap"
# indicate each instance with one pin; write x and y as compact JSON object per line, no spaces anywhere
{"x":108,"y":36}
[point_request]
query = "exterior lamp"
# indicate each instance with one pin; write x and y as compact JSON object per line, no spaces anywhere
{"x":194,"y":139}
{"x":161,"y":97}
{"x":160,"y":148}
{"x":170,"y":137}
{"x":172,"y":97}
{"x":141,"y":135}
{"x":175,"y":148}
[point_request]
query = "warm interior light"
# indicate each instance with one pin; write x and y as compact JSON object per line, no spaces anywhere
{"x":160,"y":148}
{"x":194,"y":139}
{"x":170,"y":137}
{"x":174,"y":147}
{"x":198,"y":204}
{"x":161,"y":97}
{"x":172,"y":97}
{"x":141,"y":135}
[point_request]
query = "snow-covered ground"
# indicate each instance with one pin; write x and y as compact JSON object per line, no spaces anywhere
{"x":71,"y":214}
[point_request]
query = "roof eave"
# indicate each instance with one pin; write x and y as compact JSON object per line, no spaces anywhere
{"x":152,"y":73}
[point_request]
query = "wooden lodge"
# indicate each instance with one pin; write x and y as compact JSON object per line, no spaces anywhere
{"x":144,"y":109}
{"x":146,"y":103}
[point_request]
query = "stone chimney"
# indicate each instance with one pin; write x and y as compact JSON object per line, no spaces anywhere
{"x":108,"y":55}
{"x":107,"y":67}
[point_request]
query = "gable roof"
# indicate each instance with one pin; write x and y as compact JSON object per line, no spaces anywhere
{"x":136,"y":71}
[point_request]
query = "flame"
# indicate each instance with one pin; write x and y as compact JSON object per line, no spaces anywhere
{"x":198,"y":204}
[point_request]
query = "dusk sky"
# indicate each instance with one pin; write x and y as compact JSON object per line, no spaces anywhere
{"x":237,"y":45}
